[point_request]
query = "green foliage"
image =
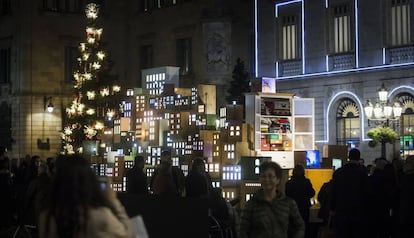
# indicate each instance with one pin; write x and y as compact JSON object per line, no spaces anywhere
{"x":239,"y":85}
{"x":382,"y":134}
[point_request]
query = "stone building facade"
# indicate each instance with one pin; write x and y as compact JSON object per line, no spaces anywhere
{"x":340,"y":53}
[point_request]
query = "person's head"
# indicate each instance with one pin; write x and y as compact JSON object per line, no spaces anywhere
{"x":3,"y":152}
{"x":50,"y":162}
{"x":166,"y":155}
{"x":198,"y":165}
{"x":73,"y":191}
{"x":139,"y":161}
{"x":35,"y":161}
{"x":409,"y":165}
{"x":270,"y":175}
{"x":380,"y":163}
{"x":354,"y":155}
{"x":165,"y":161}
{"x":298,"y":171}
{"x":43,"y":169}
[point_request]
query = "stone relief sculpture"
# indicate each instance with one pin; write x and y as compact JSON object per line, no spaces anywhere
{"x":217,"y":47}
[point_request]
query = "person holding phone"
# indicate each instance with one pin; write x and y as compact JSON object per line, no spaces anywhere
{"x":77,"y":206}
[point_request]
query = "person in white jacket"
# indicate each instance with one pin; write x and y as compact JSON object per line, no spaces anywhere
{"x":78,"y":206}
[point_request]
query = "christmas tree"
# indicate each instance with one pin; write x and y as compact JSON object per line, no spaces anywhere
{"x":96,"y":95}
{"x":239,"y":85}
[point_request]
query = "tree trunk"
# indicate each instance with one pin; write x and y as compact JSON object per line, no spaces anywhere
{"x":383,"y":150}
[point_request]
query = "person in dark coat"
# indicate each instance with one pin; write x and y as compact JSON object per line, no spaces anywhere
{"x":301,"y":190}
{"x":198,"y":181}
{"x":406,"y":205}
{"x":349,"y":198}
{"x":136,"y":179}
{"x":6,"y":197}
{"x":167,"y":179}
{"x":323,"y":198}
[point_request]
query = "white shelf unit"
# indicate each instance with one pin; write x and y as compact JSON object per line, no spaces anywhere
{"x":282,"y":124}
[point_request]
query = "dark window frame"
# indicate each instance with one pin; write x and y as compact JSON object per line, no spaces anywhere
{"x":184,"y":55}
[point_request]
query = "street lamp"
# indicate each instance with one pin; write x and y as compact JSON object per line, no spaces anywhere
{"x":47,"y":104}
{"x":383,"y":114}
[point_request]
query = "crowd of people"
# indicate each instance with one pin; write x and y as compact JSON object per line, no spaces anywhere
{"x":23,"y":188}
{"x":370,"y":201}
{"x":63,"y":197}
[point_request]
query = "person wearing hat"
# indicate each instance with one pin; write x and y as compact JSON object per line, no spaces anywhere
{"x":349,"y":198}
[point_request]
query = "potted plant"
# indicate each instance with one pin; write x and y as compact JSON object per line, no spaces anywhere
{"x":382,"y":134}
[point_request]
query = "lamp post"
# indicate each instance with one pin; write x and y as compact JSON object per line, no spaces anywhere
{"x":382,"y":113}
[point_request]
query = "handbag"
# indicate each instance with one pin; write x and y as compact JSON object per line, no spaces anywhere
{"x":327,"y":230}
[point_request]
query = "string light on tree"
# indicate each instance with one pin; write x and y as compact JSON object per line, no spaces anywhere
{"x":96,"y":93}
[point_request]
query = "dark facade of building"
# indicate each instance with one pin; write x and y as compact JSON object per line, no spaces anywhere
{"x":38,"y":51}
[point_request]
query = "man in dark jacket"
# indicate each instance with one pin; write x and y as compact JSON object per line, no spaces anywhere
{"x":136,"y":179}
{"x":300,"y":189}
{"x":349,"y":198}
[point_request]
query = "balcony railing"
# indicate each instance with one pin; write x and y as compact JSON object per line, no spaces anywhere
{"x":290,"y":68}
{"x":341,"y":61}
{"x":400,"y":55}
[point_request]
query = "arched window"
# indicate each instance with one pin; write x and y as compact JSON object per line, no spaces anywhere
{"x":406,"y":129}
{"x":347,"y":123}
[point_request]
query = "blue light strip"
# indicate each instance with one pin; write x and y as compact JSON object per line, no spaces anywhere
{"x":303,"y":37}
{"x":256,"y":58}
{"x":286,"y":3}
{"x":328,"y":109}
{"x":326,"y":3}
{"x":327,"y":63}
{"x":356,"y":36}
{"x":348,"y":70}
{"x":400,"y":87}
{"x":383,"y":55}
{"x":277,"y":69}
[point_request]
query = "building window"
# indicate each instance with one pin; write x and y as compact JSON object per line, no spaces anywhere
{"x":230,"y":151}
{"x":184,"y":56}
{"x":289,"y":37}
{"x":5,"y":7}
{"x":232,"y":172}
{"x":68,"y":6}
{"x":348,"y":124}
{"x":5,"y":65}
{"x":234,"y":131}
{"x":406,"y":101}
{"x":50,"y":5}
{"x":146,"y":57}
{"x":74,"y":6}
{"x":342,"y":29}
{"x":71,"y":63}
{"x":5,"y":125}
{"x":400,"y":22}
